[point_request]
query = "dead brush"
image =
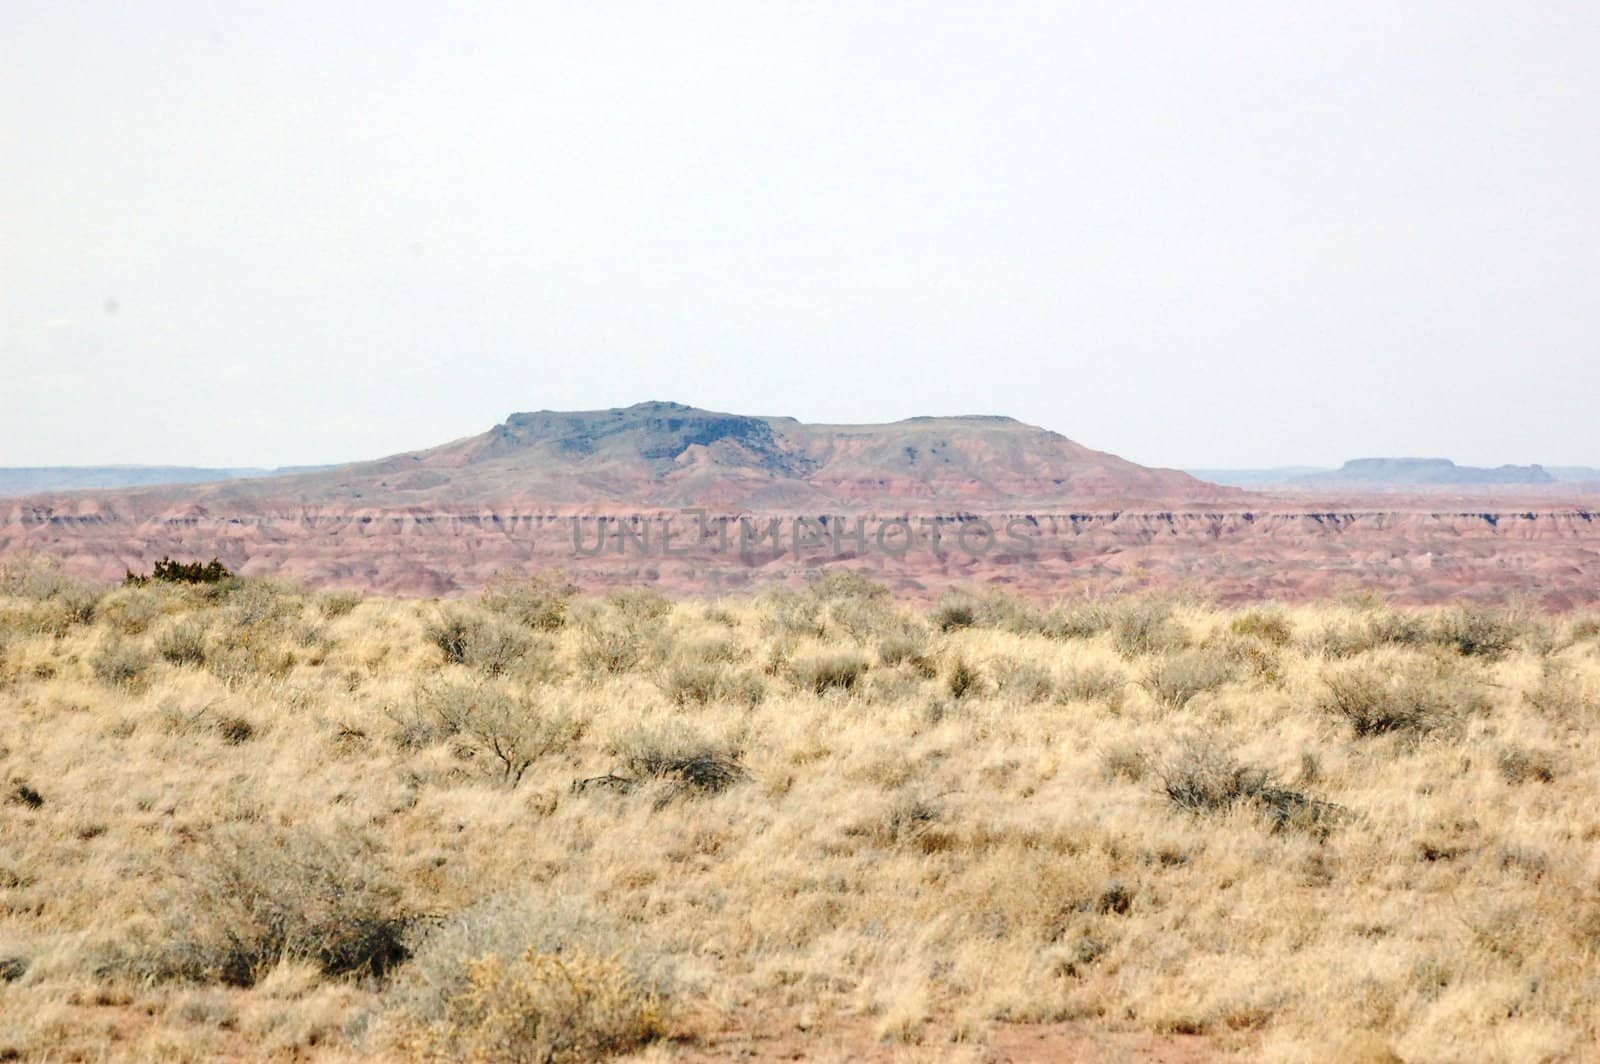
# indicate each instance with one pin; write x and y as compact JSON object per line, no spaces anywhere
{"x":965,"y":679}
{"x":1559,"y":693}
{"x":509,"y":725}
{"x":1082,"y":619}
{"x":570,"y":1007}
{"x":257,"y":896}
{"x":852,"y":605}
{"x":688,"y":763}
{"x":908,"y":649}
{"x":1175,"y":680}
{"x":1409,"y":697}
{"x":1145,"y":626}
{"x":1024,"y":680}
{"x":838,"y":670}
{"x":182,"y":643}
{"x":1271,"y":626}
{"x":1520,"y":764}
{"x":905,"y":820}
{"x":1377,"y":628}
{"x":540,"y":601}
{"x":1477,"y":631}
{"x":121,"y":664}
{"x":57,"y":599}
{"x":1093,"y":683}
{"x":691,"y":681}
{"x":1204,"y":778}
{"x":493,"y":648}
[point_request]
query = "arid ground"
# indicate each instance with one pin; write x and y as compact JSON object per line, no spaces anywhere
{"x":243,"y":820}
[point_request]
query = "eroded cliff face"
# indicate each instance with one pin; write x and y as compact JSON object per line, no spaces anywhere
{"x":1062,"y":518}
{"x":1412,"y":555}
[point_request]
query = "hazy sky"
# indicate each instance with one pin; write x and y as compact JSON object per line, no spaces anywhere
{"x":1192,"y":234}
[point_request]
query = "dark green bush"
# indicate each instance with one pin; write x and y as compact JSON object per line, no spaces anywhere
{"x":167,"y":571}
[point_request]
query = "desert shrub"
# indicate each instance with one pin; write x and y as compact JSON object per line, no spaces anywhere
{"x":905,"y":819}
{"x":787,"y":613}
{"x":1145,"y":626}
{"x":1558,"y":693}
{"x":1203,"y":777}
{"x":1411,"y":697}
{"x":1378,"y":628}
{"x":133,"y":611}
{"x":1076,"y":620}
{"x":1093,"y":683}
{"x":493,"y":647}
{"x":1397,"y":629}
{"x":614,"y":650}
{"x":183,"y":643}
{"x":235,"y":730}
{"x":846,"y":585}
{"x":1249,"y":656}
{"x":1175,"y":679}
{"x":955,"y":610}
{"x":1477,"y":631}
{"x":700,"y":765}
{"x":1584,"y":627}
{"x":24,"y":795}
{"x":639,"y":605}
{"x":32,"y":576}
{"x":167,"y":571}
{"x":1023,"y":679}
{"x":715,"y":650}
{"x":336,"y":604}
{"x":120,"y":664}
{"x":1124,"y":761}
{"x":238,"y":654}
{"x":959,"y":608}
{"x":552,"y":1008}
{"x":529,"y":978}
{"x":829,"y":670}
{"x":624,"y":634}
{"x":899,"y":648}
{"x":1271,"y":626}
{"x":1519,"y":764}
{"x":540,"y":601}
{"x":511,"y":727}
{"x":51,"y":601}
{"x":255,"y":897}
{"x":452,"y":633}
{"x":687,"y":761}
{"x":254,"y":603}
{"x":847,"y":601}
{"x":964,"y":679}
{"x":688,"y":681}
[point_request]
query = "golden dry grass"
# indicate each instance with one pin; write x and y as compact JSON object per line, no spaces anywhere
{"x":247,"y":820}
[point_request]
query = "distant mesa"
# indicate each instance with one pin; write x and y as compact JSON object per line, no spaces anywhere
{"x":447,"y":519}
{"x":670,"y":455}
{"x":1384,"y":474}
{"x":1421,"y":472}
{"x":26,"y":480}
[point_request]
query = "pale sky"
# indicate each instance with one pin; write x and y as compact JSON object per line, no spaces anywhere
{"x":1192,"y":234}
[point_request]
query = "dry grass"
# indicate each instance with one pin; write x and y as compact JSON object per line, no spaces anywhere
{"x":252,"y":821}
